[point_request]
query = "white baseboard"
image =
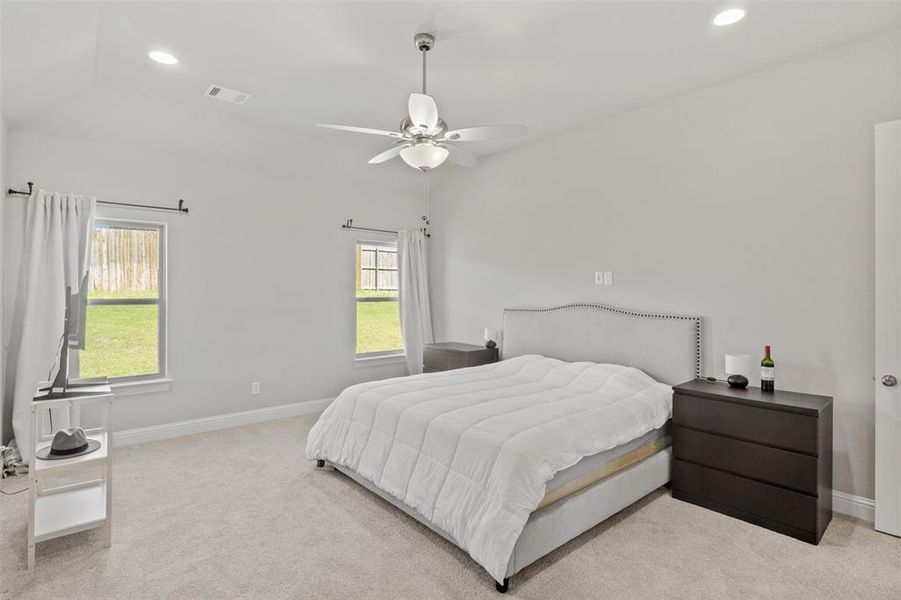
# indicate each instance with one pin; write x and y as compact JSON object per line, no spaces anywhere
{"x":846,"y":504}
{"x":854,"y":506}
{"x":139,"y":435}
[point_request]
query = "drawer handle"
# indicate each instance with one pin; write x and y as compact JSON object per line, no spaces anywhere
{"x":889,"y":380}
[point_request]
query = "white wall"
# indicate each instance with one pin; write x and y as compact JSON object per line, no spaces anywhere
{"x":260,"y":275}
{"x":750,"y":203}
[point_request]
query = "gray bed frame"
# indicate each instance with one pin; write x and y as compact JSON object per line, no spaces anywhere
{"x":666,"y":347}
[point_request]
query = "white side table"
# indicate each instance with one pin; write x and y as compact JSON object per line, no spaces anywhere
{"x":58,"y":511}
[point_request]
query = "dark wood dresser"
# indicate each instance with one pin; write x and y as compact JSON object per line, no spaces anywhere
{"x":764,"y":457}
{"x":445,"y":356}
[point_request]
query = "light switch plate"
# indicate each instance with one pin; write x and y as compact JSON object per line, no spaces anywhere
{"x":603,"y":277}
{"x":255,"y":388}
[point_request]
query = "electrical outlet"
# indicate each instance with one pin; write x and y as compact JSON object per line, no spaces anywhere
{"x":255,"y":388}
{"x":608,"y":277}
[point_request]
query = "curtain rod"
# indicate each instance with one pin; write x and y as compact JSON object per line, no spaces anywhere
{"x":180,"y":209}
{"x":350,"y":225}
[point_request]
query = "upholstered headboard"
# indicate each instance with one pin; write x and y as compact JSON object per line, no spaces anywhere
{"x":666,"y":347}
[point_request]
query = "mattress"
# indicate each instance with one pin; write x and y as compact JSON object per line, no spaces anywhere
{"x":595,"y":467}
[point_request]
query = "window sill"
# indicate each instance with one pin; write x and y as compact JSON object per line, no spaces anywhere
{"x":147,"y":386}
{"x":379,"y":361}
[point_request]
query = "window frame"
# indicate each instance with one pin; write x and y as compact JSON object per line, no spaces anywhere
{"x":381,"y":354}
{"x":162,"y":372}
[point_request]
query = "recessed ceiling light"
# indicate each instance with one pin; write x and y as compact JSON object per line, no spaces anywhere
{"x":730,"y":16}
{"x":164,"y":58}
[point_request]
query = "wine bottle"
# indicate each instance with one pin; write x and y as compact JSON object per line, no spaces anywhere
{"x":767,"y":372}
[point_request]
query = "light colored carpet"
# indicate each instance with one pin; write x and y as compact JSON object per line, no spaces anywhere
{"x":240,"y":514}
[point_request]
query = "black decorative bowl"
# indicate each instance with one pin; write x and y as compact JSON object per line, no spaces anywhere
{"x":737,"y":381}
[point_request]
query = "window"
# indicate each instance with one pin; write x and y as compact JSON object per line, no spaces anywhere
{"x":125,"y":325}
{"x":378,"y":314}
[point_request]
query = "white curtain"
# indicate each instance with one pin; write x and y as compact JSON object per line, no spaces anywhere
{"x":56,"y":256}
{"x":415,"y":312}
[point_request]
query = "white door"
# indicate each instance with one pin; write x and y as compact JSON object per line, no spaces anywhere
{"x":888,"y":327}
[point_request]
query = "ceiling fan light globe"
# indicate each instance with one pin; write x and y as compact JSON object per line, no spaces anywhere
{"x":424,"y":156}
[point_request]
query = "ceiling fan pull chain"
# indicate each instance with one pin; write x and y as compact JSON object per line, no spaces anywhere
{"x":426,"y":221}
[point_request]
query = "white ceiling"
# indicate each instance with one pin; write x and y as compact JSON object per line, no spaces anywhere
{"x":79,"y":69}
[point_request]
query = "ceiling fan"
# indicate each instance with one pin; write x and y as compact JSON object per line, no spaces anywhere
{"x":423,"y":139}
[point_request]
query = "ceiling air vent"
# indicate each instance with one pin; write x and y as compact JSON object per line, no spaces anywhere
{"x":223,"y":93}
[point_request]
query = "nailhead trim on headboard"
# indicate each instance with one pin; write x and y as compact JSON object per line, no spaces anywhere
{"x":630,"y":313}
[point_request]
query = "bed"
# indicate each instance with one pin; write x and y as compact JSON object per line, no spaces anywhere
{"x":512,"y":460}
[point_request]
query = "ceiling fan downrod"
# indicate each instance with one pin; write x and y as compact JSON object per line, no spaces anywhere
{"x":424,"y":42}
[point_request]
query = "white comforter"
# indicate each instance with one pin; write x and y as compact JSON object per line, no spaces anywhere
{"x":471,"y":450}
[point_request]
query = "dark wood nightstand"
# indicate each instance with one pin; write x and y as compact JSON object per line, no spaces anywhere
{"x":445,"y":356}
{"x":764,"y":457}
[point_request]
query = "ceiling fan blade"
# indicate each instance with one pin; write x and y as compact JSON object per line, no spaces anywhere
{"x":423,"y":110}
{"x":487,"y":132}
{"x":383,"y":132}
{"x":461,"y":157}
{"x":387,"y":154}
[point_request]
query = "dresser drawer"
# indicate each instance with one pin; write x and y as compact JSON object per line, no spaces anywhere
{"x":787,"y":430}
{"x":751,"y":498}
{"x":781,"y":467}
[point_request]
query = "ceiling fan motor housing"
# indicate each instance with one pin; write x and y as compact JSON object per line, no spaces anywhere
{"x":406,"y":126}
